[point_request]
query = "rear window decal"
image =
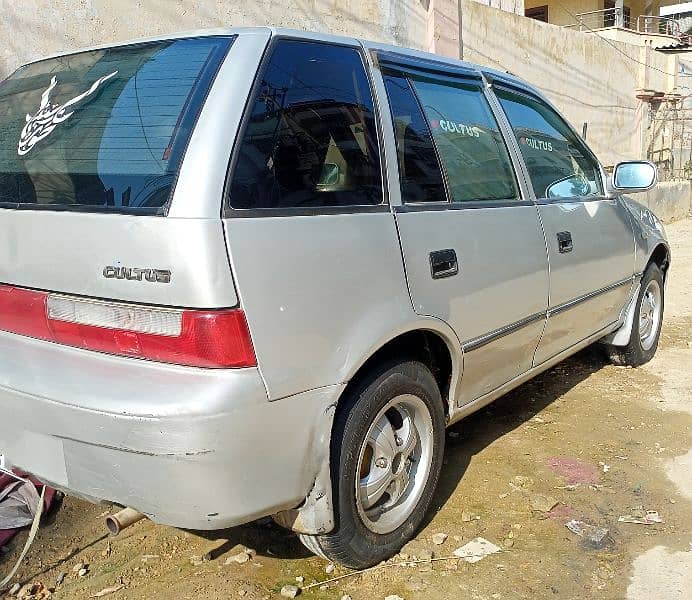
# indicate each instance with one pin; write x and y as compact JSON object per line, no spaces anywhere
{"x":48,"y":116}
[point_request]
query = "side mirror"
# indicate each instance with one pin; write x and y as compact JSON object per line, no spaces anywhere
{"x":633,"y":176}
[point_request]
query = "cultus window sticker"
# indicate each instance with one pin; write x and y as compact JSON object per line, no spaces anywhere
{"x":461,"y":128}
{"x":536,"y":144}
{"x":48,"y":116}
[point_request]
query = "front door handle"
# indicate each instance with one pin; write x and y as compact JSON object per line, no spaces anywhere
{"x":443,"y":263}
{"x":564,"y":242}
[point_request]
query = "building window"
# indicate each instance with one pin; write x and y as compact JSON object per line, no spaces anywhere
{"x":540,"y":13}
{"x":609,"y":15}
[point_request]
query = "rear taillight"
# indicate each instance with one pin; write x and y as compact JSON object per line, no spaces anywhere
{"x":200,"y":338}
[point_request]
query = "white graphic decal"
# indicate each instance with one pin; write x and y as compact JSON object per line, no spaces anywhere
{"x":462,"y":128}
{"x":49,"y":116}
{"x":536,"y":144}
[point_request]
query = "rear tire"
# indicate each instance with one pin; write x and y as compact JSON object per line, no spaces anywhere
{"x":387,"y":447}
{"x":646,"y":327}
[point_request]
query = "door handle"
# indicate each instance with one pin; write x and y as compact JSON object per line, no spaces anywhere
{"x":564,"y":242}
{"x":443,"y":263}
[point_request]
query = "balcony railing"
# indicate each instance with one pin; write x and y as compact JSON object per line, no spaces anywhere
{"x":616,"y":17}
{"x":599,"y":19}
{"x":662,"y":25}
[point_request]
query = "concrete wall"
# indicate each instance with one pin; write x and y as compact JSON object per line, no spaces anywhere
{"x":30,"y":29}
{"x":669,"y":200}
{"x":588,"y":79}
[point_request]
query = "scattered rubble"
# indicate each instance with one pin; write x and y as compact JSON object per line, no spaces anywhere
{"x":241,"y":557}
{"x":477,"y":549}
{"x":467,"y":516}
{"x":641,"y":518}
{"x":34,"y":591}
{"x":521,"y":481}
{"x":594,"y":537}
{"x":542,"y":503}
{"x":107,"y":591}
{"x":79,"y":566}
{"x":196,"y":560}
{"x":439,"y":538}
{"x":290,"y":591}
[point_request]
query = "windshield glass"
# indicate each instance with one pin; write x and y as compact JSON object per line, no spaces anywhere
{"x":105,"y":129}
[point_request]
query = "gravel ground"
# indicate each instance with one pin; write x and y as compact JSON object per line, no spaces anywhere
{"x":585,"y":441}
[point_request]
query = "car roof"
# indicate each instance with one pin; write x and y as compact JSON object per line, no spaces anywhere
{"x":495,"y":74}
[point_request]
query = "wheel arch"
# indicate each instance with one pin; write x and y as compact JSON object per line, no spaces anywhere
{"x":430,"y":346}
{"x":433,"y":343}
{"x":661,"y":257}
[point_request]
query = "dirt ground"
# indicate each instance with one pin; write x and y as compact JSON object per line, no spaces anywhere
{"x":600,"y":441}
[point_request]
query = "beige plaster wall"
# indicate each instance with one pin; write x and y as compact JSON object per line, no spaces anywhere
{"x":30,"y":29}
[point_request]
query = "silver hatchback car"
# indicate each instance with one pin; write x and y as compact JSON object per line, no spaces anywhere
{"x":257,"y":272}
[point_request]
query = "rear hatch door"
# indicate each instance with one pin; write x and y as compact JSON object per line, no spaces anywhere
{"x":90,"y":148}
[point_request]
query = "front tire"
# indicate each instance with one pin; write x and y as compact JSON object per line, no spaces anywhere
{"x":646,"y":327}
{"x":387,"y":448}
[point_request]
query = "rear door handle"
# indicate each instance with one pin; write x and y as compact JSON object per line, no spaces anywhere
{"x":443,"y":263}
{"x":564,"y":242}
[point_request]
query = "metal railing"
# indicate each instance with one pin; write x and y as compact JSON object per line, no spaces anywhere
{"x":616,"y":17}
{"x":600,"y":19}
{"x":662,"y":25}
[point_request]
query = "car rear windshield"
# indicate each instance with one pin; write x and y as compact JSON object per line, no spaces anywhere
{"x":103,"y":130}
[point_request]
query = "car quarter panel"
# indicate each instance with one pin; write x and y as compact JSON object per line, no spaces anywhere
{"x":321,"y":293}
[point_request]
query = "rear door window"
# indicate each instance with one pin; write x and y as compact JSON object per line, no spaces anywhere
{"x":104,"y":129}
{"x":558,"y":162}
{"x":468,"y":139}
{"x":310,"y":139}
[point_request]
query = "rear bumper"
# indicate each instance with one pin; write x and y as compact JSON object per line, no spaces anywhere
{"x":193,"y":448}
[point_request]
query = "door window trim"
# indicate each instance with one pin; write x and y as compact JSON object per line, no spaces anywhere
{"x":404,"y":64}
{"x":227,"y":211}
